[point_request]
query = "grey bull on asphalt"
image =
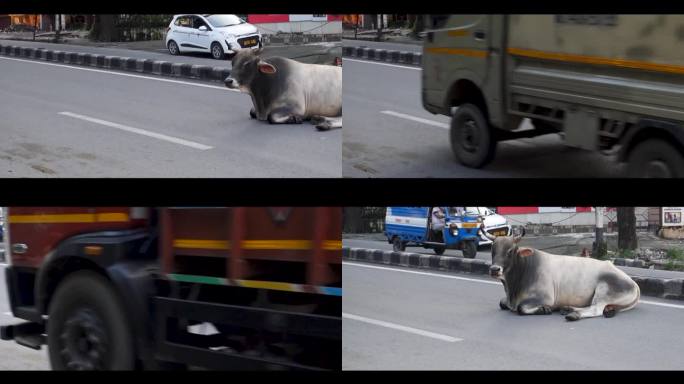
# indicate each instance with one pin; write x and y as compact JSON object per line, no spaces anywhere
{"x":285,"y":91}
{"x":538,"y":283}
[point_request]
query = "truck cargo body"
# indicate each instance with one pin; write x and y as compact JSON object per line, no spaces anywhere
{"x":607,"y":82}
{"x":216,"y":287}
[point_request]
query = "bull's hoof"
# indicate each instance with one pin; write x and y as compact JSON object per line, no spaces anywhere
{"x":503,"y":305}
{"x":565,"y":310}
{"x":572,"y":316}
{"x":544,"y":310}
{"x":324,"y":126}
{"x":252,"y":113}
{"x":317,"y":120}
{"x":609,"y":311}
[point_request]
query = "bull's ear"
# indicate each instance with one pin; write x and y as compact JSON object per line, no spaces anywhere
{"x":266,"y":68}
{"x":525,"y":252}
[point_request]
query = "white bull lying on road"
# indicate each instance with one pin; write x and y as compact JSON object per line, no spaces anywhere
{"x":285,"y":91}
{"x":538,"y":283}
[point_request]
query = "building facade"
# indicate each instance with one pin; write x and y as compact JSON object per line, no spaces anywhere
{"x":297,"y":24}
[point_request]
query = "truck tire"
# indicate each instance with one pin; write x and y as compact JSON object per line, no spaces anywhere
{"x":398,"y":245}
{"x":439,"y":250}
{"x":470,"y":249}
{"x":87,"y":327}
{"x":655,"y":158}
{"x":471,"y":137}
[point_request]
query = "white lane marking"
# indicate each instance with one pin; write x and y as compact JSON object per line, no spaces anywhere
{"x":422,"y":273}
{"x":417,"y":119}
{"x":661,"y":304}
{"x":486,"y":282}
{"x":8,"y":314}
{"x":139,"y":131}
{"x":404,"y":328}
{"x":109,"y":72}
{"x":387,"y":65}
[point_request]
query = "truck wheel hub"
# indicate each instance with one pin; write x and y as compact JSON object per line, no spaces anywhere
{"x":469,"y":136}
{"x":84,"y":342}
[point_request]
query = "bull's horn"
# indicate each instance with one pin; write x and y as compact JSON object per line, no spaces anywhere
{"x":487,"y":235}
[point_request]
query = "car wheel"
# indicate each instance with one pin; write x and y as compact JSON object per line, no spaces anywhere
{"x":655,"y":158}
{"x":87,"y":328}
{"x":398,"y":245}
{"x":217,"y":51}
{"x":470,"y":249}
{"x":173,"y":48}
{"x":471,"y":137}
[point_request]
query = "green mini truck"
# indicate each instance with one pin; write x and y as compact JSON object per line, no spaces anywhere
{"x":608,"y":83}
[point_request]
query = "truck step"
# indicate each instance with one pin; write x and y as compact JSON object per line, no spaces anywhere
{"x":31,"y":341}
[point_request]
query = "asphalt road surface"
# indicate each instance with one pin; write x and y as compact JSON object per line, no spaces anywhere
{"x":12,"y":355}
{"x":68,"y":121}
{"x":389,"y":134}
{"x":485,"y":254}
{"x":403,"y":319}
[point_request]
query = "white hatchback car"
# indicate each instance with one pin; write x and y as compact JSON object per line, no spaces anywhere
{"x":216,"y":34}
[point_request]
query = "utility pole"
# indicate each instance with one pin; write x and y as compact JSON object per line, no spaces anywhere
{"x":379,"y":25}
{"x":599,"y":250}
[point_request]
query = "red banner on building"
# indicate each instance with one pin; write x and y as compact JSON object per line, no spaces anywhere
{"x":261,"y":19}
{"x":530,"y":210}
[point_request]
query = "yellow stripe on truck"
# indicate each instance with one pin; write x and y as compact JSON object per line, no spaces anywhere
{"x":597,"y":60}
{"x":201,"y":244}
{"x":458,"y":51}
{"x":277,"y":244}
{"x":69,"y":218}
{"x":330,"y":245}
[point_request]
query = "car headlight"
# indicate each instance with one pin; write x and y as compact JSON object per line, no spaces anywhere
{"x":229,"y":36}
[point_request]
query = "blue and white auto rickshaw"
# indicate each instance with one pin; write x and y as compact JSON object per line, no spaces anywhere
{"x":412,"y":227}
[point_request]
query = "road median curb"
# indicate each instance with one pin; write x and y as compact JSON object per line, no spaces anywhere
{"x":388,"y":56}
{"x":146,"y":66}
{"x":650,"y":286}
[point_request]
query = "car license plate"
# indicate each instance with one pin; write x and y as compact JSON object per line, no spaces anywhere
{"x":500,"y":232}
{"x":250,"y":42}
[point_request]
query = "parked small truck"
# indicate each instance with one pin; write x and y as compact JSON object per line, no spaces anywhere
{"x":122,"y":288}
{"x":608,"y":83}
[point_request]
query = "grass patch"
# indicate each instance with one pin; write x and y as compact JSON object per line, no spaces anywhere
{"x":675,"y":254}
{"x":675,"y":260}
{"x":626,"y":254}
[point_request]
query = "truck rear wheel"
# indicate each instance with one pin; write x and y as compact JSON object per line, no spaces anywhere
{"x":471,"y":137}
{"x":655,"y":158}
{"x":87,"y":328}
{"x":398,"y":245}
{"x":470,"y":249}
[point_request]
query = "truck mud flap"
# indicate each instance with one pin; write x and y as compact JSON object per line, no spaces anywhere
{"x":174,"y":344}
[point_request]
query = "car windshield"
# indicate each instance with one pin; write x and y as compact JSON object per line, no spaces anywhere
{"x":473,"y":211}
{"x":219,"y":21}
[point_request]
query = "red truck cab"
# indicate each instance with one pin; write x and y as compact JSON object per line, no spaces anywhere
{"x":127,"y":287}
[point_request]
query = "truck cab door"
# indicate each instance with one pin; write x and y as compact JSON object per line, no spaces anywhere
{"x":462,"y":47}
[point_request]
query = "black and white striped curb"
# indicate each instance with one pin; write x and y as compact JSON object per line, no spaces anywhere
{"x":658,"y":287}
{"x":163,"y":68}
{"x":389,"y":56}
